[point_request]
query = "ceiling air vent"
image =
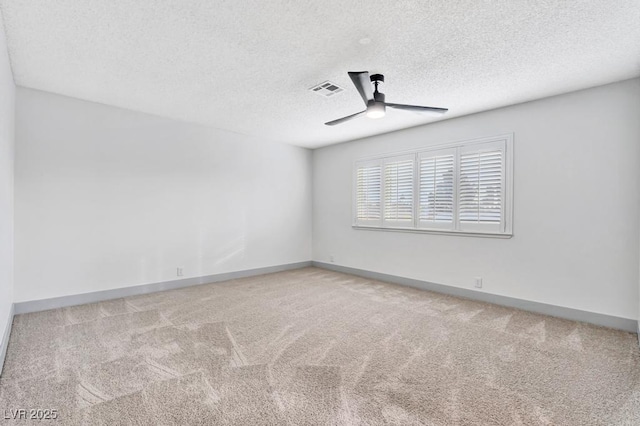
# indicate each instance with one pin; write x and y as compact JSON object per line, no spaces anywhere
{"x":327,"y":89}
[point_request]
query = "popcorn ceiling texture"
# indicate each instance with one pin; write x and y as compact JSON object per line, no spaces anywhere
{"x":314,"y":347}
{"x":246,"y":65}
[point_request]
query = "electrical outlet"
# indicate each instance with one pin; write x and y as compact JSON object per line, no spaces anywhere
{"x":179,"y":272}
{"x":331,"y":259}
{"x":478,"y":282}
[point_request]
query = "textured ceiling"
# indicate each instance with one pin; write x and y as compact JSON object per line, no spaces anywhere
{"x":246,"y":65}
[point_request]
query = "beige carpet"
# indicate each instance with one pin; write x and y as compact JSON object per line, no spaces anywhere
{"x":313,"y":347}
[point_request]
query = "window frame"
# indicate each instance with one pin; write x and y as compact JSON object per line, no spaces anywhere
{"x":503,"y":230}
{"x":370,"y":223}
{"x":390,"y":223}
{"x":440,"y":152}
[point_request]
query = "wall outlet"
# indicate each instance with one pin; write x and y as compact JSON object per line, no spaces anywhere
{"x":179,"y":272}
{"x":331,"y":259}
{"x":478,"y":282}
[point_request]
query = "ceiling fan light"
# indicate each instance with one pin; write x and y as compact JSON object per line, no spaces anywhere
{"x":376,"y":110}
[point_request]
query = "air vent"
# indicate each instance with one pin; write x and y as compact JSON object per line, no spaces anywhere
{"x":327,"y":89}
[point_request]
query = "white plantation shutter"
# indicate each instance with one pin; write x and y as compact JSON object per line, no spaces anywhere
{"x":436,"y":191}
{"x":462,"y":187}
{"x":368,"y":193}
{"x":481,"y":193}
{"x":398,"y":191}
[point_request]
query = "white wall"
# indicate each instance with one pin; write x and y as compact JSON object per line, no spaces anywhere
{"x":576,"y":209}
{"x":7,"y":107}
{"x":109,"y":198}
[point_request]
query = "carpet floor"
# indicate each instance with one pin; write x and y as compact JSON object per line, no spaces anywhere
{"x":314,"y":347}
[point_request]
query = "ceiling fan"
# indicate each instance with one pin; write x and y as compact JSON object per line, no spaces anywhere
{"x":374,"y":100}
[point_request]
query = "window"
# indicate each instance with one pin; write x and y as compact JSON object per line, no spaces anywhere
{"x":398,"y":191}
{"x":435,"y":189}
{"x":368,"y":193}
{"x":481,"y":198}
{"x":463,"y":187}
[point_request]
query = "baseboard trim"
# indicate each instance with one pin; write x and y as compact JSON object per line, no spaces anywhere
{"x":100,"y":296}
{"x":603,"y":320}
{"x":4,"y":344}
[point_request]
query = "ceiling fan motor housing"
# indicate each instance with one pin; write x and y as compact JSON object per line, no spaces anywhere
{"x":376,"y":107}
{"x":377,"y":96}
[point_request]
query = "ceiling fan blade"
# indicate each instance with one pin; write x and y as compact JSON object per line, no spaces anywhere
{"x":343,"y":119}
{"x":362,"y":81}
{"x":418,"y":108}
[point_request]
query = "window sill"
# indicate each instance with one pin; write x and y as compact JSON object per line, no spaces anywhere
{"x":436,"y":231}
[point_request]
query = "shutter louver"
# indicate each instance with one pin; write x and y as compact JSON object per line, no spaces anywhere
{"x":398,"y":191}
{"x":436,"y":189}
{"x":481,"y":187}
{"x":368,"y":187}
